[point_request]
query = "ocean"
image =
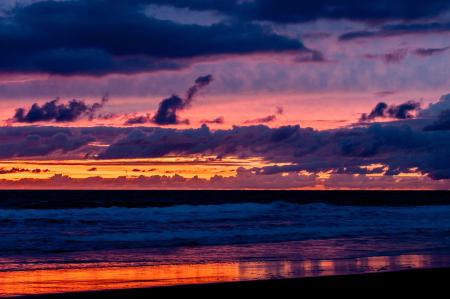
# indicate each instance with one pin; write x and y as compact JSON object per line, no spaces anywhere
{"x":53,"y":249}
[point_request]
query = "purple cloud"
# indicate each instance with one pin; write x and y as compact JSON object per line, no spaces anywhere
{"x":58,"y":112}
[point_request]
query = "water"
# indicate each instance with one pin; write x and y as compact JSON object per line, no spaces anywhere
{"x":114,"y":245}
{"x":50,"y":231}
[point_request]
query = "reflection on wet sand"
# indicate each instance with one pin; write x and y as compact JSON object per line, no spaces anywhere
{"x":113,"y":277}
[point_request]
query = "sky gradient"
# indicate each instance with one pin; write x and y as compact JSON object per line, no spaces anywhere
{"x":225,"y":94}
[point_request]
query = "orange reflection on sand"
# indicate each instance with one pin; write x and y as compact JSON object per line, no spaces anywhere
{"x":50,"y":280}
{"x":71,"y":280}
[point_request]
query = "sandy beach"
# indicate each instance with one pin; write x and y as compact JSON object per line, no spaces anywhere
{"x":406,"y":282}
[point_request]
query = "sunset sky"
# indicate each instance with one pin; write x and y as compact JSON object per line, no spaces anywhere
{"x":225,"y":94}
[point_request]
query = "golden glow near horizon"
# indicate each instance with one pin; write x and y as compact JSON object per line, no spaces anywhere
{"x":188,"y":167}
{"x":202,"y":167}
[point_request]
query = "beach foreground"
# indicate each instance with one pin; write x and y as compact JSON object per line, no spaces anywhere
{"x":64,"y":245}
{"x":406,"y":282}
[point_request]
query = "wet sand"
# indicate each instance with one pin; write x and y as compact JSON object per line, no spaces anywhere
{"x":42,"y":279}
{"x":404,"y":283}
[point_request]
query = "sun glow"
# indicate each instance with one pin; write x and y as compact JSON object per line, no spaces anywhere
{"x":188,"y":167}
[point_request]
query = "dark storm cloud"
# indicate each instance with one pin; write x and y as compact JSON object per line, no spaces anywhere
{"x":397,"y":29}
{"x":99,"y":37}
{"x":58,"y":112}
{"x":168,"y":108}
{"x":286,"y":11}
{"x":402,"y":111}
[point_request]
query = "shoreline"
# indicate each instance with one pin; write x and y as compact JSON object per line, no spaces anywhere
{"x":93,"y":277}
{"x":405,"y":281}
{"x":65,"y":199}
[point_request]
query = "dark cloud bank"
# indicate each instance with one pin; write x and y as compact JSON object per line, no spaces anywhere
{"x":396,"y":30}
{"x":98,"y":37}
{"x":40,"y":141}
{"x":287,"y":11}
{"x":400,"y":146}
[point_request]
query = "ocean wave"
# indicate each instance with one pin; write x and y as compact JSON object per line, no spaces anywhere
{"x":66,"y":230}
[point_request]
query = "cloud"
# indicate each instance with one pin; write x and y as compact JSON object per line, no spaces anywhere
{"x":382,"y":110}
{"x":350,"y":181}
{"x":84,"y":37}
{"x":439,"y":112}
{"x":262,"y":120}
{"x":435,"y":109}
{"x":377,"y":111}
{"x":310,"y":56}
{"x":167,"y":111}
{"x":279,"y":110}
{"x":391,"y":57}
{"x":384,"y":93}
{"x":430,"y":51}
{"x":292,"y":11}
{"x":21,"y":170}
{"x":399,"y":148}
{"x":397,"y":30}
{"x":399,"y":55}
{"x":57,"y":112}
{"x":267,"y":119}
{"x":200,"y":82}
{"x":40,"y":141}
{"x":138,"y":120}
{"x":403,"y":111}
{"x":244,"y":179}
{"x":168,"y":108}
{"x":218,"y":120}
{"x":442,"y":123}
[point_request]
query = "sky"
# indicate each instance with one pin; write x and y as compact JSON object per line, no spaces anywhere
{"x":225,"y":94}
